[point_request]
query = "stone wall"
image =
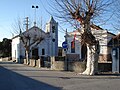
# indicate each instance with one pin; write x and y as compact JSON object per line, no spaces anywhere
{"x":72,"y":57}
{"x":78,"y":66}
{"x":59,"y":65}
{"x":75,"y":66}
{"x":105,"y":57}
{"x":6,"y":59}
{"x":104,"y":67}
{"x":33,"y":62}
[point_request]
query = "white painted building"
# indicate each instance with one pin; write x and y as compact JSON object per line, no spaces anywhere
{"x":79,"y":51}
{"x":47,"y":47}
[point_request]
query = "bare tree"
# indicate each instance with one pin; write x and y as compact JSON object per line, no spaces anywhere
{"x":116,"y":19}
{"x":28,"y":39}
{"x":29,"y":42}
{"x":83,"y":11}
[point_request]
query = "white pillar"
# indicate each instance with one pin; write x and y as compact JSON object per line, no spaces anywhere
{"x":39,"y":61}
{"x":52,"y":58}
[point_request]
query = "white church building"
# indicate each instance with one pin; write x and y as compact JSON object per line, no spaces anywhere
{"x":47,"y":47}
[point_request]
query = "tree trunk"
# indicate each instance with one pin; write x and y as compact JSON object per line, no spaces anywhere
{"x":27,"y":57}
{"x":92,"y":60}
{"x":92,"y":49}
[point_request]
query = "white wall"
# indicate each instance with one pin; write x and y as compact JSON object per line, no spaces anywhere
{"x":15,"y":45}
{"x":102,"y":35}
{"x":77,"y":45}
{"x":43,"y":45}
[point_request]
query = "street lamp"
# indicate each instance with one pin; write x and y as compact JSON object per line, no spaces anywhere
{"x":34,"y":7}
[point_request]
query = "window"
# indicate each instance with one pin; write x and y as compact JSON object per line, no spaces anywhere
{"x":43,"y":51}
{"x":53,"y":40}
{"x":35,"y":53}
{"x":73,"y":47}
{"x":53,"y":29}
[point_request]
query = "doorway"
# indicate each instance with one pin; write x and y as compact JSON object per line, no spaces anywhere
{"x":84,"y":52}
{"x":35,"y":54}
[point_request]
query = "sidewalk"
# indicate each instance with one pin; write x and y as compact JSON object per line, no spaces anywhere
{"x":101,"y":76}
{"x":65,"y":74}
{"x":70,"y":74}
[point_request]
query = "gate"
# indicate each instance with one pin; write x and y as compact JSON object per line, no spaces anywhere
{"x":45,"y":61}
{"x":116,"y":60}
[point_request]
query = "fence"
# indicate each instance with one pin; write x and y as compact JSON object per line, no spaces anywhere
{"x":6,"y":59}
{"x":60,"y":64}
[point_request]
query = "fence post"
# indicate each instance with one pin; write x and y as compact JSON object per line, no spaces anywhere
{"x":39,"y":62}
{"x":52,"y":58}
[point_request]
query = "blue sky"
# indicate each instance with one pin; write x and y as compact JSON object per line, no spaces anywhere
{"x":12,"y":10}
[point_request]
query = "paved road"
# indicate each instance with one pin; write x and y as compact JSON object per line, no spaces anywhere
{"x":20,"y":77}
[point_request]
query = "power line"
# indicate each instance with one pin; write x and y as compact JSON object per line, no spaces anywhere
{"x":61,"y":31}
{"x":62,"y":28}
{"x":45,"y":8}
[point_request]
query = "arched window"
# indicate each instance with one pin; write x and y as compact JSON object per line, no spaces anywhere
{"x":53,"y":29}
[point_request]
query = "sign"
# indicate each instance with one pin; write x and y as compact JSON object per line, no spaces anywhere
{"x":64,"y":45}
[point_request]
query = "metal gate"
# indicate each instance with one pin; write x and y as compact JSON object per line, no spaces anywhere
{"x":45,"y":61}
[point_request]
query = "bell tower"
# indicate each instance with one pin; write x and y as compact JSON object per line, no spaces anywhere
{"x":52,"y":29}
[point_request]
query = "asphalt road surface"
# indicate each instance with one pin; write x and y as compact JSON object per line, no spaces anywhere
{"x":21,"y":77}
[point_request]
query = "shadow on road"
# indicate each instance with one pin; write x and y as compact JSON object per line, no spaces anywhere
{"x":7,"y":62}
{"x":10,"y":80}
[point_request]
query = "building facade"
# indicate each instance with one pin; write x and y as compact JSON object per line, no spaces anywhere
{"x":47,"y":47}
{"x":76,"y":51}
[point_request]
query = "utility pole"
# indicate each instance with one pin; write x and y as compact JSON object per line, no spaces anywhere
{"x":26,"y":19}
{"x":26,"y":24}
